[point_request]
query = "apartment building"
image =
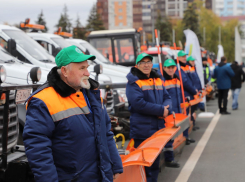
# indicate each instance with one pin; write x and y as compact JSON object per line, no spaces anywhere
{"x":120,"y":14}
{"x":229,"y":7}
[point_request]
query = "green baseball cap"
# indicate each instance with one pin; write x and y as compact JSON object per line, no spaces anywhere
{"x":190,"y":58}
{"x":181,"y":53}
{"x":169,"y":62}
{"x":143,"y":55}
{"x":71,"y":54}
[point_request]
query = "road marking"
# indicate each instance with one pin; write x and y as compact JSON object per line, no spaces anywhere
{"x":193,"y":159}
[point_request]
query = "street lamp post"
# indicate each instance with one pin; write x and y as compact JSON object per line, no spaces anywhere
{"x":152,"y":20}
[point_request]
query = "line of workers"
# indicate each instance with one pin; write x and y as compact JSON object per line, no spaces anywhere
{"x":153,"y":96}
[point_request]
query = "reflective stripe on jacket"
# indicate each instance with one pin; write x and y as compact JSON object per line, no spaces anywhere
{"x":64,"y":141}
{"x":189,"y":88}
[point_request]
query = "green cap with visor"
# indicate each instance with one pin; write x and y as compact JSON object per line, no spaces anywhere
{"x":190,"y":58}
{"x":181,"y":53}
{"x":169,"y":62}
{"x":142,"y":56}
{"x":71,"y":54}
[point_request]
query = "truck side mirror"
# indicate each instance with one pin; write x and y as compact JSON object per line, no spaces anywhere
{"x":98,"y":69}
{"x":12,"y":47}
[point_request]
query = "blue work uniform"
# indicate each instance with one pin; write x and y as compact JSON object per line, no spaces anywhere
{"x":147,"y":98}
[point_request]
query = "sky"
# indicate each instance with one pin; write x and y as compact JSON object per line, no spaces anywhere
{"x":16,"y":11}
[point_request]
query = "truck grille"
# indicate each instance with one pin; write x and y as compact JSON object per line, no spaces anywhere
{"x":13,"y":128}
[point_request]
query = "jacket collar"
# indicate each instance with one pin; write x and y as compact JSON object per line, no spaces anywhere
{"x":221,"y":64}
{"x":189,"y":64}
{"x":136,"y":72}
{"x":167,"y":77}
{"x":182,"y":64}
{"x":61,"y":87}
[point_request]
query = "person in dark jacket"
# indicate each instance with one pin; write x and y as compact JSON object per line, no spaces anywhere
{"x":172,"y":85}
{"x":149,"y":104}
{"x":223,"y":74}
{"x":206,"y":70}
{"x":236,"y":83}
{"x":67,"y":133}
{"x":189,"y":89}
{"x":196,"y":81}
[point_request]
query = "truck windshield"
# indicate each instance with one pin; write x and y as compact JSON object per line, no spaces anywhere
{"x":93,"y":51}
{"x":61,"y":42}
{"x":103,"y":45}
{"x":29,"y":45}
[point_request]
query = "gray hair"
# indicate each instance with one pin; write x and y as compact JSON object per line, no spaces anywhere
{"x":59,"y":69}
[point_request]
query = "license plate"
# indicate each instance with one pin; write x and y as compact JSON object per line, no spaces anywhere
{"x":22,"y":95}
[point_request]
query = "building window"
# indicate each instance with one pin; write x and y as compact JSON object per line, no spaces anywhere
{"x":120,"y":17}
{"x":120,"y":24}
{"x":171,"y":6}
{"x":171,"y":13}
{"x":120,"y":10}
{"x":146,"y":14}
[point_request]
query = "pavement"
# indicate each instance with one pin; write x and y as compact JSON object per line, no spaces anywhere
{"x":218,"y":153}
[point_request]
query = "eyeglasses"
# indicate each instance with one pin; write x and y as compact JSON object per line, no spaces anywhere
{"x":148,"y":63}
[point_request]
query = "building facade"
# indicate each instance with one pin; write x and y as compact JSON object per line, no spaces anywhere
{"x":102,"y":8}
{"x":229,"y":7}
{"x":171,"y":8}
{"x":120,"y":14}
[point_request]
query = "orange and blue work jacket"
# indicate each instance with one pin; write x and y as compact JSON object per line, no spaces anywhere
{"x":147,"y":98}
{"x":189,"y":88}
{"x":172,"y":85}
{"x":64,"y":141}
{"x":195,"y":78}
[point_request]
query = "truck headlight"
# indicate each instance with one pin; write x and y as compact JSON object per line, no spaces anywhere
{"x":35,"y":74}
{"x":2,"y":74}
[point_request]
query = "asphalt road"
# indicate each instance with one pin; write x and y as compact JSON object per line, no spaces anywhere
{"x":222,"y":158}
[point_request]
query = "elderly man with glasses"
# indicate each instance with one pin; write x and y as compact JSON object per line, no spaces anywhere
{"x":149,"y":104}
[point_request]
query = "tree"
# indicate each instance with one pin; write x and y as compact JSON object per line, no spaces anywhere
{"x":41,"y":21}
{"x":211,"y":23}
{"x":94,"y":20}
{"x":64,"y":21}
{"x":79,"y":31}
{"x":190,"y":21}
{"x":165,"y":27}
{"x":228,"y":39}
{"x":179,"y":32}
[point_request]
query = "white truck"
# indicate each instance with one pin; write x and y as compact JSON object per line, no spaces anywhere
{"x":117,"y":73}
{"x":22,"y":46}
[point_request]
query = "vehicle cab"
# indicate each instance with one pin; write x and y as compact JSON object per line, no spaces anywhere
{"x":119,"y":46}
{"x":51,"y":42}
{"x":117,"y":73}
{"x":27,"y":50}
{"x":19,"y":73}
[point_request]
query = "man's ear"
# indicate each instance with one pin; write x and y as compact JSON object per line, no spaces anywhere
{"x":63,"y":70}
{"x":136,"y":66}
